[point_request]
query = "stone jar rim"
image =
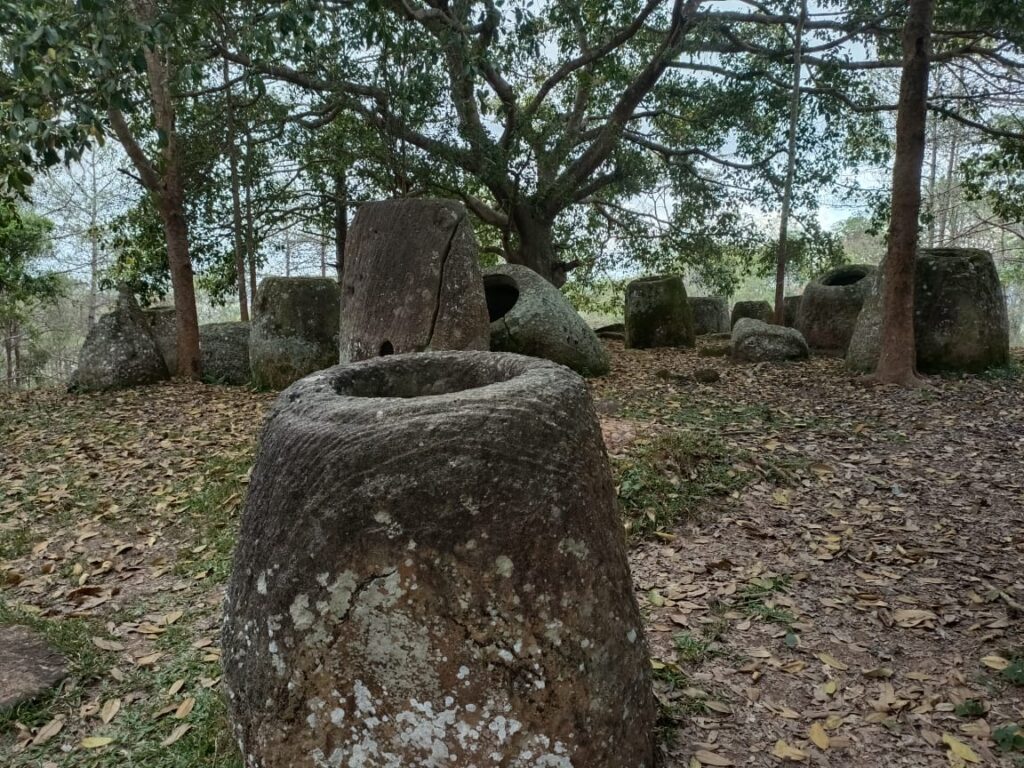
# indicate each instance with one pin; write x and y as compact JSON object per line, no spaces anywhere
{"x":430,"y":381}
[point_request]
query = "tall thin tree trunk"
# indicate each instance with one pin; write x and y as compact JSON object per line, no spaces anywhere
{"x":932,"y":174}
{"x":898,"y":356}
{"x":94,"y":249}
{"x":340,"y":220}
{"x":9,"y":356}
{"x":17,"y":356}
{"x":787,"y":190}
{"x":250,"y":245}
{"x":287,"y":253}
{"x":182,"y":280}
{"x":236,"y":203}
{"x":323,"y":253}
{"x":947,"y":185}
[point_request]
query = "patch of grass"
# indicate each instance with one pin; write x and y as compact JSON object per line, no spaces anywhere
{"x":972,"y":708}
{"x":754,"y":600}
{"x":663,"y":481}
{"x":1012,"y":371}
{"x":14,"y":542}
{"x":213,"y":515}
{"x":693,"y":650}
{"x":1014,"y":673}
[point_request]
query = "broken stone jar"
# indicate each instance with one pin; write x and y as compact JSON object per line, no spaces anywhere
{"x":431,"y":572}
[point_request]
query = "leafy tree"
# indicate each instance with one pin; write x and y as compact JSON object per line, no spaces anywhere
{"x":24,"y":238}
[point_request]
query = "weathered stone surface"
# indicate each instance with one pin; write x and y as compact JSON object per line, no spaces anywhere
{"x":791,"y":308}
{"x":615,"y":331}
{"x":960,"y":318}
{"x":658,"y":314}
{"x":295,"y":329}
{"x":757,"y":310}
{"x":225,"y":351}
{"x":29,"y":667}
{"x":120,"y":351}
{"x":411,"y":281}
{"x":715,"y":345}
{"x":754,"y":342}
{"x":830,"y":305}
{"x":710,"y":314}
{"x":162,"y":324}
{"x":530,"y":316}
{"x":431,"y":572}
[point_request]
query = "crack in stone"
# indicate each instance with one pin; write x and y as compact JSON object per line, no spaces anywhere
{"x":440,"y":284}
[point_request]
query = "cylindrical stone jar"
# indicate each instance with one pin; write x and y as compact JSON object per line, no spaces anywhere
{"x":431,"y":572}
{"x":658,"y":314}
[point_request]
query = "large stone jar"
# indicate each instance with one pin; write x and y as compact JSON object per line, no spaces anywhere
{"x":431,"y":572}
{"x":830,"y":306}
{"x":295,"y":329}
{"x":658,"y":314}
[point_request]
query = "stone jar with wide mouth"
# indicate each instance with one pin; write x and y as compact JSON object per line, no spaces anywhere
{"x":431,"y":572}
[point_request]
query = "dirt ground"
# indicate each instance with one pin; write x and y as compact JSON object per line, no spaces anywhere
{"x":838,"y":584}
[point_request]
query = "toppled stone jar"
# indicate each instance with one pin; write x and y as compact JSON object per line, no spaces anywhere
{"x":431,"y":572}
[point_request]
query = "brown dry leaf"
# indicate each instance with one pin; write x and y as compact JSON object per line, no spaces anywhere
{"x":959,"y":749}
{"x":110,"y":709}
{"x":913,"y":617}
{"x":831,"y":661}
{"x":48,"y":731}
{"x":784,"y":751}
{"x":176,"y":734}
{"x":818,"y":736}
{"x":148,"y":660}
{"x":107,"y":645}
{"x":175,"y":687}
{"x":704,"y":757}
{"x":185,"y":708}
{"x":995,"y":662}
{"x":96,"y":742}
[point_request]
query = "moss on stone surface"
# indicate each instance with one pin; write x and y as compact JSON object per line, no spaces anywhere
{"x":756,"y":310}
{"x":295,"y":330}
{"x":960,"y":319}
{"x":658,"y":313}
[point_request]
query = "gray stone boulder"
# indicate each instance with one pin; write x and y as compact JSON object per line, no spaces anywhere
{"x":710,"y":314}
{"x":411,"y":281}
{"x":295,"y":329}
{"x":960,"y":317}
{"x":830,"y":306}
{"x":29,"y":666}
{"x":757,"y":310}
{"x":754,"y":341}
{"x":225,"y":353}
{"x":615,"y":331}
{"x":431,"y":571}
{"x":120,"y":351}
{"x":530,"y":316}
{"x":163,"y":325}
{"x":658,"y":313}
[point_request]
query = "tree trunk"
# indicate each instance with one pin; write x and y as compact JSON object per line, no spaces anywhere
{"x":236,"y":203}
{"x":17,"y":356}
{"x":9,"y":356}
{"x":536,"y":245}
{"x":787,"y":190}
{"x":897,"y":358}
{"x":172,"y":211}
{"x":340,"y":221}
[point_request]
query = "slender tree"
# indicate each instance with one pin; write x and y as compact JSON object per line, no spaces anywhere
{"x":897,"y":363}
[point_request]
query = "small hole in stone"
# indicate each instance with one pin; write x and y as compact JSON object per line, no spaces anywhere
{"x":501,"y":293}
{"x":387,"y":348}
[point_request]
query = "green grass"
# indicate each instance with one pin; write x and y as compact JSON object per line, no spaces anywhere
{"x":212,"y":513}
{"x":664,"y":481}
{"x":15,"y":542}
{"x":754,"y":600}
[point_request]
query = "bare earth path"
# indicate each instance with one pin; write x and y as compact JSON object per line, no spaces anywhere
{"x":842,"y":585}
